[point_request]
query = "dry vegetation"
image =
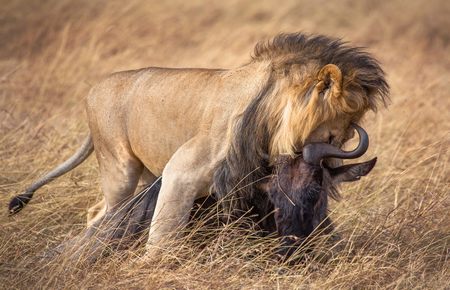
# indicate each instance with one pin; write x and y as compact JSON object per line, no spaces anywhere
{"x":394,"y":224}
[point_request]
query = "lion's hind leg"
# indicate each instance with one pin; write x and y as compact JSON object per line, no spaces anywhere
{"x":120,"y":171}
{"x":97,"y":211}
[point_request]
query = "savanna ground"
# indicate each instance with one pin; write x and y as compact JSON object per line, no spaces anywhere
{"x":394,"y":224}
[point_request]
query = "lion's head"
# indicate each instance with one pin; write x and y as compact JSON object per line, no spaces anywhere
{"x":321,"y":86}
{"x":316,"y":88}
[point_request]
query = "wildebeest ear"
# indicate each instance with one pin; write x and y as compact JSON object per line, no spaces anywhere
{"x":352,"y":172}
{"x":330,"y":81}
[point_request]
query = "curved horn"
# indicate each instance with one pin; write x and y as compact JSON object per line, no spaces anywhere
{"x":313,"y":153}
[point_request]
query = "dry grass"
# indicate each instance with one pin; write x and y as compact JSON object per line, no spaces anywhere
{"x":394,"y":224}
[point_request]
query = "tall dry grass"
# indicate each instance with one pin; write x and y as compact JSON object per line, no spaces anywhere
{"x":394,"y":224}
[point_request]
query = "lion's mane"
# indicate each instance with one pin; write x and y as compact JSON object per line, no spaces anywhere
{"x":266,"y":129}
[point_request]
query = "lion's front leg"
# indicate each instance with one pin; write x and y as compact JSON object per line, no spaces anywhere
{"x":186,"y":177}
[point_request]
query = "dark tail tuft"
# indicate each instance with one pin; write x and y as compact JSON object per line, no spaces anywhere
{"x":19,"y":202}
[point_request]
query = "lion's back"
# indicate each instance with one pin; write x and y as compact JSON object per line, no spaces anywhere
{"x":111,"y":89}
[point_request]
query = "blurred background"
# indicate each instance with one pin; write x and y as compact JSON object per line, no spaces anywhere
{"x":53,"y":51}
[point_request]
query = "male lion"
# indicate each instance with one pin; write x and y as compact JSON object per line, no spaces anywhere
{"x":218,"y":127}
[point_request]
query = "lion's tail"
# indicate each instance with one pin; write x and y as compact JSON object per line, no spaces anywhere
{"x":18,"y":202}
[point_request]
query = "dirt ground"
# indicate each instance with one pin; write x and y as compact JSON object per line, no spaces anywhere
{"x":394,"y":223}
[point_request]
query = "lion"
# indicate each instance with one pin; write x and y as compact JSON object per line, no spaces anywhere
{"x":220,"y":129}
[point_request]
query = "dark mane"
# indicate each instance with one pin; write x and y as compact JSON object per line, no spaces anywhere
{"x":246,"y":160}
{"x":298,"y":48}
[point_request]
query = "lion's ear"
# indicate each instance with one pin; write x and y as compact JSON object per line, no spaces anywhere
{"x":330,"y":81}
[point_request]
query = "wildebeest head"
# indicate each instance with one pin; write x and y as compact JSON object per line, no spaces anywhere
{"x":299,"y":188}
